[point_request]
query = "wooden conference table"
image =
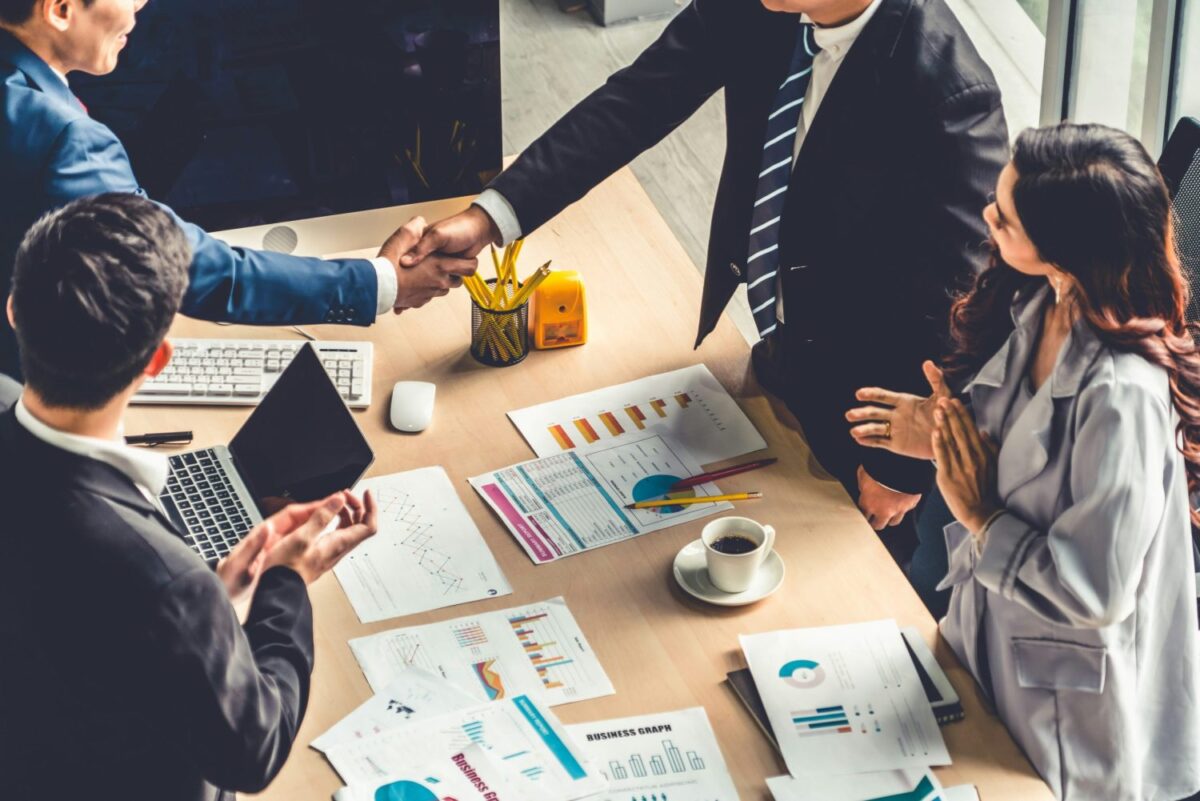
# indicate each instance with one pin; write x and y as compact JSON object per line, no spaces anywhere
{"x":661,"y":649}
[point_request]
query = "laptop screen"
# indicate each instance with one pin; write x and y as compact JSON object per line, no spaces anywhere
{"x":301,"y":443}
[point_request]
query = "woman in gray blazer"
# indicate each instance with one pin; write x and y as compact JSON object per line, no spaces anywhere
{"x":1066,"y":459}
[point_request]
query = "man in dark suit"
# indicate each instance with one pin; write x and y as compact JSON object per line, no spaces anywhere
{"x":862,"y":139}
{"x":125,"y":672}
{"x":51,"y":152}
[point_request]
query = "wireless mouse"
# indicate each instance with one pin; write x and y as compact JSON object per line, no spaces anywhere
{"x":412,"y":405}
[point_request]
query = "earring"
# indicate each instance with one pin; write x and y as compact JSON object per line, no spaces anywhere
{"x":1056,"y":283}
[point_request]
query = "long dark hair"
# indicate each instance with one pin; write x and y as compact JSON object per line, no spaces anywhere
{"x":1095,"y":206}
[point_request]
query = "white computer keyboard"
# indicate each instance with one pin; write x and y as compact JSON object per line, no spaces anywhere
{"x":238,"y":372}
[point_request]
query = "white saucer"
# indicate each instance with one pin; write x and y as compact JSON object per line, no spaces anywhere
{"x":691,"y":572}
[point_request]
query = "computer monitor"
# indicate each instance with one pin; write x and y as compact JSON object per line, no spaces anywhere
{"x":322,"y":114}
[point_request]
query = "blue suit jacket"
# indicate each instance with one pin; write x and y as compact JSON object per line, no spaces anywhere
{"x":51,"y":152}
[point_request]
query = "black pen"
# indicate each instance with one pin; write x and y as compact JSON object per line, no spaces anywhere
{"x":164,"y":438}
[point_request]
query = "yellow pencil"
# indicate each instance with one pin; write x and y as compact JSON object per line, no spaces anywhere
{"x":528,"y":287}
{"x":736,"y":496}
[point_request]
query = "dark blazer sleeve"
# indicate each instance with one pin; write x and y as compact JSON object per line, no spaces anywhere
{"x":967,"y":150}
{"x":630,"y":113}
{"x":226,"y":284}
{"x":236,"y":695}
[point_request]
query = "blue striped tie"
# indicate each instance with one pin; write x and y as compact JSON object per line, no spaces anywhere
{"x":762,"y":261}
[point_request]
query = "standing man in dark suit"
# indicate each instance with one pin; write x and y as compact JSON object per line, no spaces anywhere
{"x":862,"y":139}
{"x":125,"y":671}
{"x":52,"y":152}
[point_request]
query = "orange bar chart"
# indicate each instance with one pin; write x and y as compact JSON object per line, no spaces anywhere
{"x":560,"y":436}
{"x":585,"y":428}
{"x":635,"y":414}
{"x":610,"y":422}
{"x":659,"y":407}
{"x":683,"y":399}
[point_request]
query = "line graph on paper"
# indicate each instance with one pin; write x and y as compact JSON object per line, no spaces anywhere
{"x":428,"y":554}
{"x":399,"y":511}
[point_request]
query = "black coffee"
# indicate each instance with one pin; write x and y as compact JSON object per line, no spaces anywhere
{"x":734,"y":544}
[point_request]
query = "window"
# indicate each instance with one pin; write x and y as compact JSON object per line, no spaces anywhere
{"x":1185,"y":95}
{"x":1111,"y":55}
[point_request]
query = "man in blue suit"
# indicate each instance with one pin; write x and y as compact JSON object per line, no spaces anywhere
{"x":52,"y":152}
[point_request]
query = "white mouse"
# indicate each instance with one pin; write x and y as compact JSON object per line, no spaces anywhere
{"x":412,"y":405}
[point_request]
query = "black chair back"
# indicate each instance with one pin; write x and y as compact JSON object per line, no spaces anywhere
{"x":1180,"y":167}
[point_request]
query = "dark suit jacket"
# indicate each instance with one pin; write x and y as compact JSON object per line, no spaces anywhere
{"x":883,"y":211}
{"x":51,"y":153}
{"x":124,"y":671}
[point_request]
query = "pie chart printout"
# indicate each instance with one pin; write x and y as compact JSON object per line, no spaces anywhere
{"x":652,"y":488}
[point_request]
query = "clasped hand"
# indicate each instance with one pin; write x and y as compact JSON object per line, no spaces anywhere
{"x":966,"y":462}
{"x":432,"y":260}
{"x":293,"y":538}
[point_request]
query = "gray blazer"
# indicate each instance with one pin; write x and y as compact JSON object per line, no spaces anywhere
{"x":1078,"y":616}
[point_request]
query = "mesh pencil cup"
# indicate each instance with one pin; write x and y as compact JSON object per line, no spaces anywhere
{"x":499,"y":338}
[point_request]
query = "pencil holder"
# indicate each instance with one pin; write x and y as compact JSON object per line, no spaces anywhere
{"x":499,"y":338}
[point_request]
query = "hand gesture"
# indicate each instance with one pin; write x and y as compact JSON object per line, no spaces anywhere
{"x":966,"y":462}
{"x":883,"y":507}
{"x":240,"y":569}
{"x":420,"y":281}
{"x":295,"y":537}
{"x":900,"y":423}
{"x":462,"y":235}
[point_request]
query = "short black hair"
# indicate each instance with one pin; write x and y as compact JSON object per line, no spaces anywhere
{"x":16,"y":12}
{"x":95,"y":287}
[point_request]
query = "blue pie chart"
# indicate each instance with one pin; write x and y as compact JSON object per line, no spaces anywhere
{"x":652,"y":488}
{"x":405,"y":791}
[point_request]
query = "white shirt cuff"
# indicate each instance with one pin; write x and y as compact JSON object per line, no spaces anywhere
{"x":387,"y":285}
{"x":501,"y":211}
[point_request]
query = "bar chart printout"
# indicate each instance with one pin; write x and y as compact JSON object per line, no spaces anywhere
{"x":690,"y":404}
{"x":537,"y":650}
{"x":844,"y":699}
{"x":671,"y":755}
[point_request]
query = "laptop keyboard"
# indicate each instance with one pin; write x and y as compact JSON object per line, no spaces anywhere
{"x":214,"y":517}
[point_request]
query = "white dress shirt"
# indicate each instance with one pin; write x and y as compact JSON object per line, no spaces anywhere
{"x":834,"y":43}
{"x":148,"y":471}
{"x":386,"y":285}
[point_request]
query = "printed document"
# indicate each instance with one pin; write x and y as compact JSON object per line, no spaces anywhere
{"x":536,"y":650}
{"x":428,"y":554}
{"x":671,"y":755}
{"x":890,"y":785}
{"x":523,"y":739}
{"x":412,"y":696}
{"x":470,"y":775}
{"x":844,"y":699}
{"x":572,"y":502}
{"x":690,"y":404}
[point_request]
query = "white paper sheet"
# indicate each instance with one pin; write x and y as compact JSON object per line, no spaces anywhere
{"x":892,"y":785}
{"x":690,"y":403}
{"x":428,"y":554}
{"x":471,"y":775}
{"x":414,"y":695}
{"x":525,"y":740}
{"x":669,"y":755}
{"x":844,"y":699}
{"x":572,"y":502}
{"x":536,"y":650}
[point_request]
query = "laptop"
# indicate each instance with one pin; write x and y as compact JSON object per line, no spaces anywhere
{"x":300,"y":444}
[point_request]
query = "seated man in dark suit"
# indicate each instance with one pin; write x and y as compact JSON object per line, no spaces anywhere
{"x":52,"y":152}
{"x":863,"y":137}
{"x":125,"y":671}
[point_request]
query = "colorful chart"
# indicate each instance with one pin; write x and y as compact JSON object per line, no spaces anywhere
{"x":405,"y":791}
{"x":683,"y":399}
{"x":543,"y":651}
{"x":585,"y":429}
{"x":560,"y":436}
{"x":637,"y":416}
{"x":659,"y":407}
{"x":493,"y":685}
{"x":654,"y":487}
{"x":802,"y":673}
{"x":822,"y":720}
{"x":610,"y":422}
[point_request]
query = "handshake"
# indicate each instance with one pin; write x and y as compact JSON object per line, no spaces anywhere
{"x":432,"y":260}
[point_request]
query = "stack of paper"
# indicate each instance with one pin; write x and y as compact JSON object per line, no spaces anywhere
{"x":848,"y":711}
{"x":424,"y":731}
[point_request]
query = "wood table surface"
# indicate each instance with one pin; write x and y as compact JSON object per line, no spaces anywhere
{"x":661,"y":649}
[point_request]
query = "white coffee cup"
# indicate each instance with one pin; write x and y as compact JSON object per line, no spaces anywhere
{"x":734,"y":572}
